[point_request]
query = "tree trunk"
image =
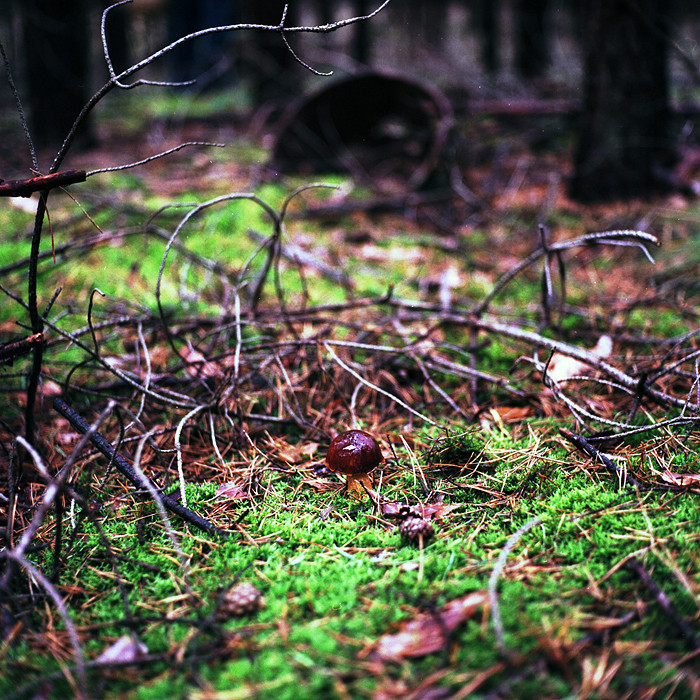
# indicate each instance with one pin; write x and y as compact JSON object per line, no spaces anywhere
{"x":486,"y":16}
{"x":268,"y":63}
{"x":57,"y":50}
{"x":361,"y":39}
{"x":531,"y":38}
{"x":624,"y":140}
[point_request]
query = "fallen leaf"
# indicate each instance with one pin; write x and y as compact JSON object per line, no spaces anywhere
{"x":427,"y":511}
{"x":425,"y":633}
{"x":125,"y":649}
{"x":293,"y":454}
{"x":676,"y":479}
{"x":405,"y":510}
{"x":513,"y":414}
{"x":199,"y":366}
{"x":309,"y":448}
{"x":231,"y":490}
{"x":51,"y":388}
{"x":562,"y":367}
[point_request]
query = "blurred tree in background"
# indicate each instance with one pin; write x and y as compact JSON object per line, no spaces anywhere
{"x":58,"y":67}
{"x":624,"y":141}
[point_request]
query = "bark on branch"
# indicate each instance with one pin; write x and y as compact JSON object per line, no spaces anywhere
{"x":24,"y":188}
{"x":126,"y":469}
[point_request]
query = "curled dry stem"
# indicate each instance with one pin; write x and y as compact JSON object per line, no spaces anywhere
{"x":497,"y":571}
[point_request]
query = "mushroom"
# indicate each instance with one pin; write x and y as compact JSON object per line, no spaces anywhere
{"x":354,"y":453}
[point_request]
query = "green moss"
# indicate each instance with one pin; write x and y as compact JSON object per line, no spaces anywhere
{"x":345,"y":579}
{"x":458,"y":449}
{"x":666,"y":324}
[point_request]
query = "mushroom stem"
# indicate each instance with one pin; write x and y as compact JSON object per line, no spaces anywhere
{"x":358,"y":484}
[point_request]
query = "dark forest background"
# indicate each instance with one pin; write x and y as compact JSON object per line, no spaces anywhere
{"x":629,"y":68}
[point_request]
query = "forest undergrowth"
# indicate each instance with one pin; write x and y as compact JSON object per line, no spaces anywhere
{"x":529,"y":366}
{"x":220,"y":366}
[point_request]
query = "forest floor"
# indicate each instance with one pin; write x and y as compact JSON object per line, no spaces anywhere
{"x":240,"y":324}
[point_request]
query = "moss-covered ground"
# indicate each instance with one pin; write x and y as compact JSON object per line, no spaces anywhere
{"x":336,"y":576}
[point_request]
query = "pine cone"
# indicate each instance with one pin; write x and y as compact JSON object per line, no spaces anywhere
{"x":413,"y":528}
{"x":242,"y":599}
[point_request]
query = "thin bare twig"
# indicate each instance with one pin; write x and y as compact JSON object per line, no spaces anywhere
{"x":154,"y":157}
{"x":496,"y":572}
{"x":117,"y":80}
{"x":78,"y":654}
{"x":388,"y":394}
{"x":664,"y":602}
{"x":178,"y":432}
{"x":639,"y":239}
{"x":590,"y":358}
{"x":593,"y":452}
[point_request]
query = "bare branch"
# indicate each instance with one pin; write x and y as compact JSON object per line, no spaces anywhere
{"x":496,"y":618}
{"x":636,"y":238}
{"x":151,"y":158}
{"x":117,"y":80}
{"x":178,"y":432}
{"x":24,"y":188}
{"x":586,"y":356}
{"x":126,"y":469}
{"x":55,"y":596}
{"x":388,"y":394}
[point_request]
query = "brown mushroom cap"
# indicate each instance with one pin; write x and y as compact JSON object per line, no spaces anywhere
{"x":354,"y":452}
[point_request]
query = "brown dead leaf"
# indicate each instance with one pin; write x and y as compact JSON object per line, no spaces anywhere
{"x":427,"y":511}
{"x":425,"y":633}
{"x":160,"y":355}
{"x":405,"y":510}
{"x":444,"y":509}
{"x":687,"y":480}
{"x":293,"y":454}
{"x":513,"y":414}
{"x":231,"y":490}
{"x":309,"y":448}
{"x":200,"y":367}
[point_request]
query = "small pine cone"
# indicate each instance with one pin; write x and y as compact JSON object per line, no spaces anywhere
{"x":242,"y":599}
{"x":413,"y":528}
